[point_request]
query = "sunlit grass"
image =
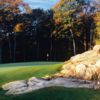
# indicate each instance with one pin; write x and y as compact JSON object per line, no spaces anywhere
{"x":21,"y":71}
{"x":12,"y":72}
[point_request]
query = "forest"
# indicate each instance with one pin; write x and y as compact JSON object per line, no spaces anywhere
{"x":70,"y":27}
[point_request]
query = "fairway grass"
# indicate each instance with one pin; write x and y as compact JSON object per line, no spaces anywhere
{"x":20,"y":71}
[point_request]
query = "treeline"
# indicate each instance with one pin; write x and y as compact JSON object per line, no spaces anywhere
{"x":38,"y":35}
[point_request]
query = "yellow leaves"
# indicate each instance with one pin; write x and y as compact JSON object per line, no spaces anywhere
{"x":64,"y":19}
{"x":13,"y":5}
{"x":97,"y":22}
{"x":54,"y":32}
{"x":19,"y":27}
{"x":66,"y":13}
{"x":97,"y":16}
{"x":98,"y":13}
{"x":78,"y":34}
{"x":72,"y":10}
{"x":66,"y":26}
{"x":16,"y":2}
{"x":98,"y":29}
{"x":58,"y":4}
{"x":56,"y":14}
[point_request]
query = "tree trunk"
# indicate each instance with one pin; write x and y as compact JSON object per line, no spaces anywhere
{"x":38,"y":47}
{"x":51,"y":48}
{"x":74,"y":46}
{"x":9,"y":43}
{"x":0,"y":53}
{"x":85,"y":44}
{"x":14,"y":57}
{"x":91,"y":39}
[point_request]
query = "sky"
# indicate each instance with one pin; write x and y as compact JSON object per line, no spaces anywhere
{"x":45,"y":4}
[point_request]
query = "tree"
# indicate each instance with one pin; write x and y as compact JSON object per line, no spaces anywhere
{"x":97,"y":29}
{"x":74,"y":17}
{"x":64,"y":19}
{"x":42,"y":26}
{"x":9,"y":9}
{"x":14,"y":5}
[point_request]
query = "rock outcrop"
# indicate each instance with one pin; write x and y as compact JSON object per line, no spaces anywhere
{"x":22,"y":86}
{"x":85,"y":66}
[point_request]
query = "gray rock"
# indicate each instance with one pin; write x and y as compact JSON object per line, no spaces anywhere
{"x":20,"y":87}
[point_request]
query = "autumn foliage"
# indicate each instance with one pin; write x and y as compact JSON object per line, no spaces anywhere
{"x":97,"y":21}
{"x":13,"y":5}
{"x":33,"y":34}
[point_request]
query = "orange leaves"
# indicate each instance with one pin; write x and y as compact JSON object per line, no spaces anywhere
{"x":97,"y":17}
{"x":58,"y":21}
{"x":12,"y":2}
{"x":58,"y":4}
{"x":19,"y":27}
{"x":97,"y":22}
{"x":13,"y":5}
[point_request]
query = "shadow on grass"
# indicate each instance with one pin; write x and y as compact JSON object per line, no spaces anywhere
{"x":56,"y":93}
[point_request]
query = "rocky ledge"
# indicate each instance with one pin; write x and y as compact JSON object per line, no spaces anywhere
{"x":25,"y":86}
{"x":84,"y":68}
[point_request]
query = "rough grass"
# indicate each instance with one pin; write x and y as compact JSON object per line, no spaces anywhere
{"x":19,"y":71}
{"x":56,"y":93}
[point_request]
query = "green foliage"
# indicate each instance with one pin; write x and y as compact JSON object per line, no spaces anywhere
{"x":64,"y":18}
{"x":70,"y":19}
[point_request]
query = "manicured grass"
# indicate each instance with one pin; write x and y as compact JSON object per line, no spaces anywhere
{"x":19,"y":71}
{"x":56,"y":93}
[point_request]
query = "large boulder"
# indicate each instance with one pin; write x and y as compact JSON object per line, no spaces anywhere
{"x":24,"y":86}
{"x":97,"y":63}
{"x":18,"y":87}
{"x":97,"y":48}
{"x":80,"y":70}
{"x":84,"y":65}
{"x":14,"y":85}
